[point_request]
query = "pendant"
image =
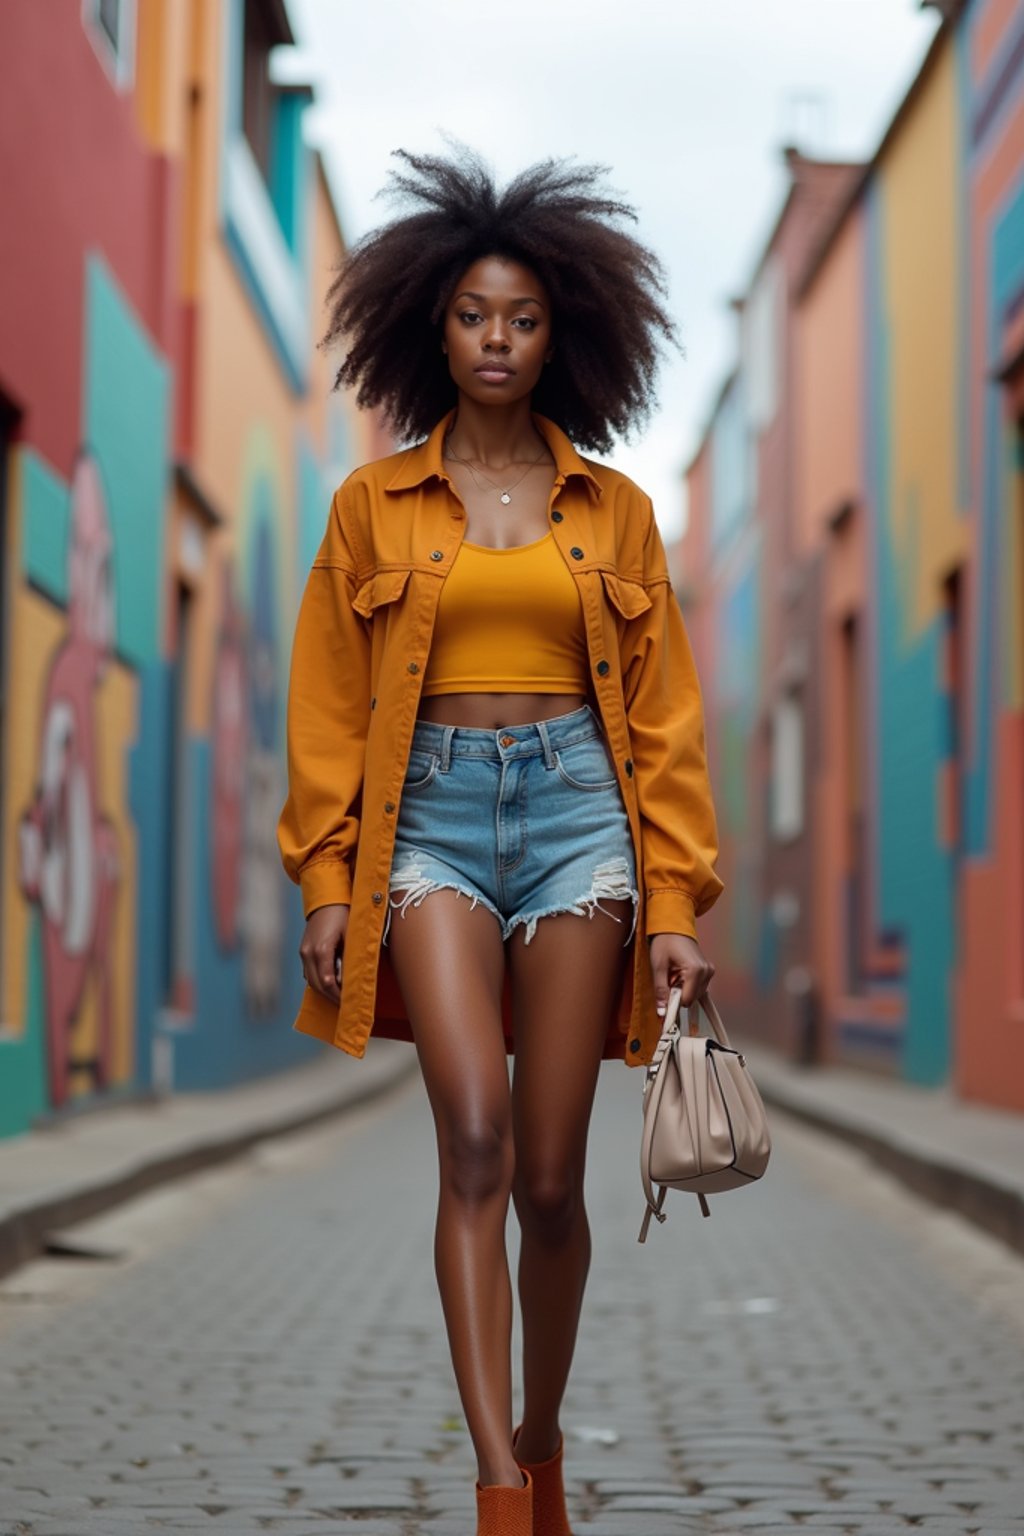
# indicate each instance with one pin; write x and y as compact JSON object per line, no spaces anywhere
{"x":506,"y":498}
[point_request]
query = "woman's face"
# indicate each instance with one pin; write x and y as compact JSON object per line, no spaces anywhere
{"x":497,"y":331}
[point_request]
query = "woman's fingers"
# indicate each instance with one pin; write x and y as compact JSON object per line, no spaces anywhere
{"x":678,"y":961}
{"x":321,"y":949}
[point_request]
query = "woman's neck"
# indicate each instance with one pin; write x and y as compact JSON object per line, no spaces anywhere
{"x":495,"y":435}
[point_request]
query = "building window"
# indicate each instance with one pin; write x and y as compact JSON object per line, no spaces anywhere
{"x":266,"y":182}
{"x":788,"y":767}
{"x":952,"y":591}
{"x":110,"y":25}
{"x":258,"y":93}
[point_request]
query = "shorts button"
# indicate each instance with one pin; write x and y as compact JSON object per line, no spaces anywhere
{"x":576,"y":552}
{"x":437,"y":554}
{"x":629,"y":766}
{"x":507,"y":741}
{"x":389,"y":806}
{"x":603,"y":669}
{"x":378,"y":897}
{"x":634,"y":1046}
{"x":556,"y":516}
{"x":414,"y":666}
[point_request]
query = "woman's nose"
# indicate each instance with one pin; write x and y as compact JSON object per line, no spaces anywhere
{"x":496,"y":339}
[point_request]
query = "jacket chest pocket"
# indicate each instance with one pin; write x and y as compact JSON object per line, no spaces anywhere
{"x":382,"y":588}
{"x":628,"y":598}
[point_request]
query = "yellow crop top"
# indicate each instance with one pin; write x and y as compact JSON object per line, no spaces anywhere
{"x":508,"y":621}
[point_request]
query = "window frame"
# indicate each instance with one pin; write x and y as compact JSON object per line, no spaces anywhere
{"x":117,"y":57}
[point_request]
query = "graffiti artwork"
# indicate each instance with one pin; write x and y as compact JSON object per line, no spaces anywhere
{"x":262,"y":920}
{"x":68,"y":856}
{"x":229,"y":753}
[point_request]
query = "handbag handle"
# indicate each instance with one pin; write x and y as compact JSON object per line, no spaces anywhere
{"x":713,"y":1016}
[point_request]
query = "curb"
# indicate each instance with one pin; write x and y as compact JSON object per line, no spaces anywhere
{"x":974,"y":1194}
{"x":24,"y":1229}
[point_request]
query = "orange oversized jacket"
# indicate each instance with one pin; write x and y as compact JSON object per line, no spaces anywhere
{"x":361,"y":645}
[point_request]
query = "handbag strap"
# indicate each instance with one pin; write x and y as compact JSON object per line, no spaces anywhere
{"x":655,"y":1086}
{"x":713,"y":1016}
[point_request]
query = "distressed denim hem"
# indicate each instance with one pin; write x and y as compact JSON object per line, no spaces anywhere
{"x":417,"y":886}
{"x":611,"y":882}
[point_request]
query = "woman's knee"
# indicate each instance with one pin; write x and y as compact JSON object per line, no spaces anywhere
{"x":549,"y":1199}
{"x":477,"y":1159}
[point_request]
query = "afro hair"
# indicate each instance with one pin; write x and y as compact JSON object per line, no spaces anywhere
{"x":388,"y":300}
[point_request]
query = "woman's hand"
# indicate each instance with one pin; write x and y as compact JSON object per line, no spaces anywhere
{"x":678,"y":961}
{"x":323,"y":943}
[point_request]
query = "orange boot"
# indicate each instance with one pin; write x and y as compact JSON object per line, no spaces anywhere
{"x":549,"y":1513}
{"x":503,"y":1511}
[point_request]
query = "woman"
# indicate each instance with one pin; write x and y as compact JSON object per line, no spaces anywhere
{"x":492,"y":697}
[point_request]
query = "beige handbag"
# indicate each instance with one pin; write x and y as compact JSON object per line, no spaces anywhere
{"x":705,"y":1128}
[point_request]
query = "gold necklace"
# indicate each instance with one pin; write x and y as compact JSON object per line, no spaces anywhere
{"x":504,"y":491}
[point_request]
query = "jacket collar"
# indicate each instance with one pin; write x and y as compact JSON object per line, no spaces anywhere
{"x":424,"y":461}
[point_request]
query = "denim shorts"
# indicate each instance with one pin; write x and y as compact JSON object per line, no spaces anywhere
{"x":528,"y":820}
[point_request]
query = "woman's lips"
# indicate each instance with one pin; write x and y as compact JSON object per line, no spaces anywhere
{"x":494,"y":374}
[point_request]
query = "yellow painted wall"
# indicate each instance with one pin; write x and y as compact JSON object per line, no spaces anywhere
{"x":919,"y":244}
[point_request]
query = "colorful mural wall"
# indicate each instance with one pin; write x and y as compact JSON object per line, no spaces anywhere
{"x":904,"y":773}
{"x":169,"y":447}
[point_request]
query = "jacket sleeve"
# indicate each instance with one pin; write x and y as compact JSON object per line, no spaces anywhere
{"x":679,"y":836}
{"x":328,"y":715}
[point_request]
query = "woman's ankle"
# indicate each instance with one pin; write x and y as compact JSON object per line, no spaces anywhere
{"x":507,"y":1475}
{"x":533,"y":1445}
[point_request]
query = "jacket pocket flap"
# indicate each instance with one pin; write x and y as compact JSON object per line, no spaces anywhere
{"x":628,"y":597}
{"x":385,"y":587}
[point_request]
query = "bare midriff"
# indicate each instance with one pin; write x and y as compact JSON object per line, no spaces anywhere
{"x":488,"y":711}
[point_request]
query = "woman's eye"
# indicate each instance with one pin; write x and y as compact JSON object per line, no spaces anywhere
{"x":469,"y":314}
{"x":527,"y":321}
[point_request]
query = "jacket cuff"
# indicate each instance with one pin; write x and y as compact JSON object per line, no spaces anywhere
{"x":670,"y":912}
{"x":325,"y":882}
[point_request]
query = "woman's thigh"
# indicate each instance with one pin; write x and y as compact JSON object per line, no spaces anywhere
{"x":449,"y":962}
{"x":566,"y":984}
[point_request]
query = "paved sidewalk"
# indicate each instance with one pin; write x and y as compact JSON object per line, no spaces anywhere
{"x":263,"y":1351}
{"x":65,"y":1173}
{"x":963,"y":1156}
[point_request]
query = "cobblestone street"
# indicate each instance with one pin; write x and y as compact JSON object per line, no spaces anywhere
{"x":263,"y":1350}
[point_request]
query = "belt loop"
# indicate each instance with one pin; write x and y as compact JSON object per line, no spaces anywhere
{"x":446,"y":748}
{"x":542,"y":731}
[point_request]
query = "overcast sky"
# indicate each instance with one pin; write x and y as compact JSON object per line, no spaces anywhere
{"x":687,"y":101}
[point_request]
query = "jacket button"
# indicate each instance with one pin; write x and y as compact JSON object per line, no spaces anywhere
{"x":634,"y":1046}
{"x":629,"y":766}
{"x":378,"y":897}
{"x":414,"y":666}
{"x":576,"y":552}
{"x":437,"y":554}
{"x":556,"y":516}
{"x":389,"y":806}
{"x":603,"y":669}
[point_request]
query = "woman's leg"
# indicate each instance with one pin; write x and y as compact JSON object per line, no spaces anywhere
{"x":449,"y":963}
{"x":565,"y":983}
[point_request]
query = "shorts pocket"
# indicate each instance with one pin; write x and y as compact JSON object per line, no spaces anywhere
{"x":585,"y":765}
{"x":420,"y":771}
